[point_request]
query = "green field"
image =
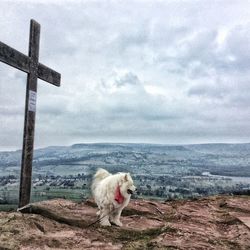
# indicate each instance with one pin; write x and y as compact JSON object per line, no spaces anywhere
{"x":10,"y":195}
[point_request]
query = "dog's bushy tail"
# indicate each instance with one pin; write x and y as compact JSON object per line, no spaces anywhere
{"x":99,"y":175}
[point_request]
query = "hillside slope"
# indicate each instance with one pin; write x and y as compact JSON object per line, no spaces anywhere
{"x":219,"y":222}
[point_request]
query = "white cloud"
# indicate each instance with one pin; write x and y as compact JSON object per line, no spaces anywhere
{"x":141,"y":71}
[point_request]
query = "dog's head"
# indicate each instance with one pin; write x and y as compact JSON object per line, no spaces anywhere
{"x":127,"y":185}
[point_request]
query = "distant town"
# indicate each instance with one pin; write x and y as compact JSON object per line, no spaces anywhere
{"x":159,"y":172}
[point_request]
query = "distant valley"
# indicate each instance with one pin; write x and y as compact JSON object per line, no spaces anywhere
{"x":161,"y":171}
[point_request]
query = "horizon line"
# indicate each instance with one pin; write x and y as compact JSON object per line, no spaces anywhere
{"x":132,"y":143}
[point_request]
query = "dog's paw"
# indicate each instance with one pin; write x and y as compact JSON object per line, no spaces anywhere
{"x":117,"y":223}
{"x":105,"y":223}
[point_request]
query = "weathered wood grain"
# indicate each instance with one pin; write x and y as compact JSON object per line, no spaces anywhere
{"x":48,"y":75}
{"x":22,"y":62}
{"x":14,"y":58}
{"x":29,"y":64}
{"x":29,"y":124}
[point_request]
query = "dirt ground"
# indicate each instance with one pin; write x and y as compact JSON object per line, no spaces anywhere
{"x":219,"y":222}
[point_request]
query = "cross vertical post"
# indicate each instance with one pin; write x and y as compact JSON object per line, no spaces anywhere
{"x":30,"y":65}
{"x":30,"y":113}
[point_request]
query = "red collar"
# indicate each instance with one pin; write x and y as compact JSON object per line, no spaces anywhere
{"x":119,"y":198}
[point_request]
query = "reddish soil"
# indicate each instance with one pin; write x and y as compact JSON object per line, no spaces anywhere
{"x":219,"y":222}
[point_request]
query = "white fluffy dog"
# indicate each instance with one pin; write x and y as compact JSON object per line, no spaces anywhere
{"x":111,"y":193}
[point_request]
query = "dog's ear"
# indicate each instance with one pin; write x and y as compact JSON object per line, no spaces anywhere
{"x":126,"y":177}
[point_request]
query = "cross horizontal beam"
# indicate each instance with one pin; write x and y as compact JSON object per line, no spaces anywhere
{"x":20,"y":61}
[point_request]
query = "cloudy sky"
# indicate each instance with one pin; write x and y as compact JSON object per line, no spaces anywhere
{"x":132,"y":71}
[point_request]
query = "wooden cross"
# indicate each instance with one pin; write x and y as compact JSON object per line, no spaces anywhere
{"x":29,"y":64}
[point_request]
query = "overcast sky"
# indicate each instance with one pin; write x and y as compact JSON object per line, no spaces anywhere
{"x":132,"y":71}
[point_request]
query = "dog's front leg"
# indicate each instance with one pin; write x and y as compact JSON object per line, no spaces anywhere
{"x":116,"y":217}
{"x":104,"y":217}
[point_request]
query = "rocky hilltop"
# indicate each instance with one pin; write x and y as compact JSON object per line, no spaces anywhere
{"x":218,"y":222}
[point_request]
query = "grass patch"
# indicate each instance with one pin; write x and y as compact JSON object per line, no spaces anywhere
{"x":131,"y":211}
{"x":133,"y":239}
{"x":124,"y":235}
{"x":8,"y":207}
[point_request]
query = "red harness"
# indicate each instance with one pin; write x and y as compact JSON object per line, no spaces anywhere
{"x":119,"y":198}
